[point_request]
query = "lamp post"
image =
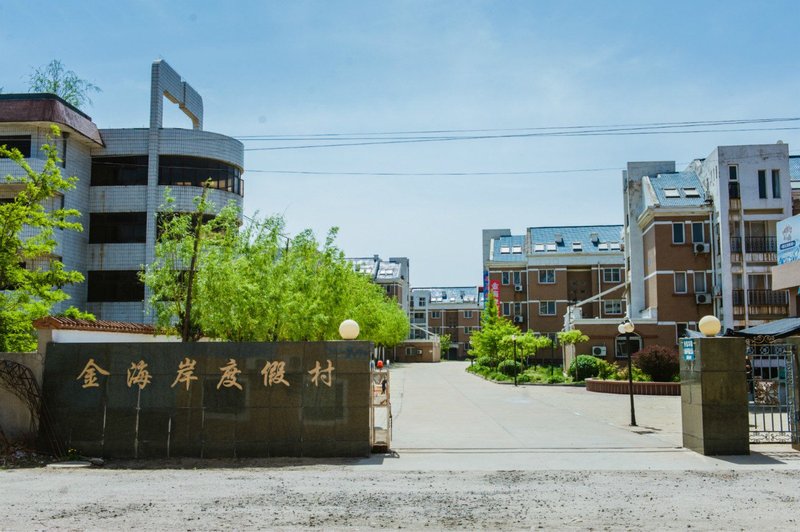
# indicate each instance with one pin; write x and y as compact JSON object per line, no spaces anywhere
{"x":626,"y":328}
{"x":514,"y":339}
{"x":349,"y":330}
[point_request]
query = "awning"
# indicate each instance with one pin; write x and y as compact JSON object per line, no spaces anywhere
{"x":776,"y":329}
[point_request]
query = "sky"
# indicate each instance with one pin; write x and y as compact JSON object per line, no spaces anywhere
{"x":357,"y":67}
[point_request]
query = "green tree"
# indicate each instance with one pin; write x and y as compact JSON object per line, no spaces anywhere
{"x":56,"y":79}
{"x":527,"y":344}
{"x":569,"y":339}
{"x":444,"y":344}
{"x":31,"y":276}
{"x":492,"y":338}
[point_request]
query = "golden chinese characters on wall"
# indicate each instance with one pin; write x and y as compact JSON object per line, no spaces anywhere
{"x":138,"y":374}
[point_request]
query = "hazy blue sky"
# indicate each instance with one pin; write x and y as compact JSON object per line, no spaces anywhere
{"x":278,"y":68}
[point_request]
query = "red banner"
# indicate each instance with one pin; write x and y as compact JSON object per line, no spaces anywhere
{"x":494,"y":286}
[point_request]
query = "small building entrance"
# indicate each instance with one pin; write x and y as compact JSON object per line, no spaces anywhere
{"x":772,"y":405}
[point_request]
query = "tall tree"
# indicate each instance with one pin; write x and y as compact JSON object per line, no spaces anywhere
{"x":56,"y":79}
{"x":31,"y":276}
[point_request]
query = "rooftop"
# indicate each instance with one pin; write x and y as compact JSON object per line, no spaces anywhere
{"x":576,"y":239}
{"x":42,"y":107}
{"x":679,"y":189}
{"x":53,"y":322}
{"x":443,"y":295}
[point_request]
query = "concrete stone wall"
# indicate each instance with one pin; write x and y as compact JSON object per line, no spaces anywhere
{"x":280,"y":399}
{"x":15,"y":416}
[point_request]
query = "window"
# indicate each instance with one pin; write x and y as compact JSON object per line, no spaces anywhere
{"x":700,"y":282}
{"x":677,"y":233}
{"x":733,"y":172}
{"x":762,"y":184}
{"x":119,"y":171}
{"x":63,"y":154}
{"x":517,"y":277}
{"x":506,"y":277}
{"x":547,"y":276}
{"x":622,"y":346}
{"x":181,"y":170}
{"x":118,"y":228}
{"x":421,"y":302}
{"x":506,"y":309}
{"x":697,"y":232}
{"x":20,"y":142}
{"x":538,"y":248}
{"x":691,"y":193}
{"x":516,"y":249}
{"x":776,"y":183}
{"x":505,"y":250}
{"x":681,"y":329}
{"x":467,"y":314}
{"x":467,"y":330}
{"x":680,"y":282}
{"x":671,"y":193}
{"x":116,"y":285}
{"x":547,"y":308}
{"x":436,"y":314}
{"x":551,"y":247}
{"x":577,"y":246}
{"x":612,"y":275}
{"x":517,"y":309}
{"x":612,"y":306}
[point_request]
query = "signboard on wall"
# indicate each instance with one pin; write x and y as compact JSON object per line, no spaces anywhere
{"x":494,"y":286}
{"x":787,"y":273}
{"x":789,"y":240}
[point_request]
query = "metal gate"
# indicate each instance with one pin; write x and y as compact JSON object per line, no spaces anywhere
{"x":770,"y":391}
{"x":380,"y":413}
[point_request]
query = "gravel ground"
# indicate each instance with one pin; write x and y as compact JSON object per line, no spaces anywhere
{"x":285,"y":495}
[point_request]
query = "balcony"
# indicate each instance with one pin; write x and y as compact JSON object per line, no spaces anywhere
{"x":755,"y":244}
{"x":761,"y":298}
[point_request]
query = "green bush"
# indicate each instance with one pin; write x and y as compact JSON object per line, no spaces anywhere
{"x":607,"y":370}
{"x":486,"y":362}
{"x":510,"y":367}
{"x":523,"y":377}
{"x":660,"y":362}
{"x":587,"y":366}
{"x":638,"y":374}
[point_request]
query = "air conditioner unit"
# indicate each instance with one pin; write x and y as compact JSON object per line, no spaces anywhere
{"x":702,"y":248}
{"x":518,"y":288}
{"x":519,"y":319}
{"x":419,"y":351}
{"x":599,"y":350}
{"x":702,"y":299}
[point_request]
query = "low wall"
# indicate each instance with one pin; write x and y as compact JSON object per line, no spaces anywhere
{"x":214,"y":399}
{"x":639,"y":388}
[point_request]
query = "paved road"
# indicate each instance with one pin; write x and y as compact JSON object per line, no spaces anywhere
{"x":447,"y":418}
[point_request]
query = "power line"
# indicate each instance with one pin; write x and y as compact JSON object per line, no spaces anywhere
{"x":593,"y":133}
{"x":650,"y":125}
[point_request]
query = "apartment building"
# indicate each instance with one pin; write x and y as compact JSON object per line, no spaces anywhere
{"x":551,"y":272}
{"x":455,"y":311}
{"x":702,"y":241}
{"x":122,"y":176}
{"x":392,"y":275}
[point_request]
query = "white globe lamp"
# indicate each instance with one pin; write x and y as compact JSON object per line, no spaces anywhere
{"x":709,"y":325}
{"x":349,"y":330}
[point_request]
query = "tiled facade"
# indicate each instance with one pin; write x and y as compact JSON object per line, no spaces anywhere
{"x":123,"y":174}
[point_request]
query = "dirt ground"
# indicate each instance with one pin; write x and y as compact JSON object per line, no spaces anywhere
{"x":290,"y":495}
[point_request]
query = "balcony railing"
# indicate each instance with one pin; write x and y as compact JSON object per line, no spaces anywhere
{"x":754,"y":244}
{"x":761,"y":298}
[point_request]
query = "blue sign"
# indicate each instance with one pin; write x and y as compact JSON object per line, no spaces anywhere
{"x":788,"y":236}
{"x":688,"y":348}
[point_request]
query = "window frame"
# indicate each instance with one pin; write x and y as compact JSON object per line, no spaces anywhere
{"x":505,"y":278}
{"x":546,"y":305}
{"x":776,"y":183}
{"x":545,"y":271}
{"x":702,"y":226}
{"x":610,"y":278}
{"x":617,"y":305}
{"x":682,"y":232}
{"x":762,"y":184}
{"x":700,"y":275}
{"x":675,"y":276}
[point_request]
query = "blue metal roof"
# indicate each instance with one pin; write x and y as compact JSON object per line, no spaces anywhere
{"x":678,"y":183}
{"x":509,"y":248}
{"x":577,"y":239}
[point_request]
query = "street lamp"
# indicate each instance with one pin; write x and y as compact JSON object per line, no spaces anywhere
{"x":709,"y":325}
{"x":626,"y":328}
{"x":514,"y":339}
{"x":349,"y":330}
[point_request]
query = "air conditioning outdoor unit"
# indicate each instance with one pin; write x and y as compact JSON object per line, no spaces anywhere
{"x":702,"y":248}
{"x":518,"y":288}
{"x":419,"y":351}
{"x":599,"y":350}
{"x":702,"y":299}
{"x":519,"y":319}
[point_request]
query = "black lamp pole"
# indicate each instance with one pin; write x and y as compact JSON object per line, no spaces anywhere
{"x":630,"y":376}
